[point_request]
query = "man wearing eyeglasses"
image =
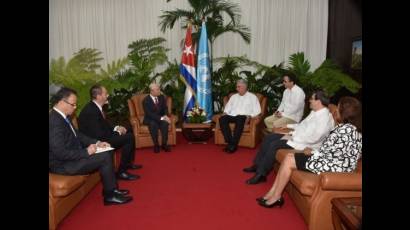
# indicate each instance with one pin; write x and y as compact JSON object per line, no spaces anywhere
{"x":73,"y":153}
{"x":92,"y":122}
{"x":307,"y":134}
{"x":291,"y":108}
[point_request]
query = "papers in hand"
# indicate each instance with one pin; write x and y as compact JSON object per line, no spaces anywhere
{"x":105,"y":149}
{"x":286,"y":137}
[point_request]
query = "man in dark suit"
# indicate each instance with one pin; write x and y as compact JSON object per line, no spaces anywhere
{"x":92,"y":123}
{"x":72,"y":153}
{"x":155,"y":109}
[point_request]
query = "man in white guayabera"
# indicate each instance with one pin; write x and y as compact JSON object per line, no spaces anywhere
{"x":239,"y":109}
{"x":290,"y":110}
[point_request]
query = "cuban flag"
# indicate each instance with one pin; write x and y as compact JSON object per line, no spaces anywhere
{"x":187,"y":73}
{"x":204,"y":92}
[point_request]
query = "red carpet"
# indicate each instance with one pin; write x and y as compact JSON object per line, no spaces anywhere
{"x":195,"y":186}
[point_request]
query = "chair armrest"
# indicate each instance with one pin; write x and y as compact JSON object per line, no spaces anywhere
{"x":134,"y":122}
{"x":173,"y":120}
{"x":255,"y":120}
{"x":172,"y":117}
{"x":253,"y":123}
{"x":341,"y":181}
{"x":215,"y":118}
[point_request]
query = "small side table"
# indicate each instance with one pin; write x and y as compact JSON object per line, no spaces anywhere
{"x":197,"y":132}
{"x":347,"y":213}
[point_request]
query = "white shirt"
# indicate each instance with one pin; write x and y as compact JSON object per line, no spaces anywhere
{"x":99,"y":106}
{"x":312,"y":130}
{"x":64,"y":116}
{"x":293,"y":103}
{"x":248,"y":105}
{"x":153,"y":99}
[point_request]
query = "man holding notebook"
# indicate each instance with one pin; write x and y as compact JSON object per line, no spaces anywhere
{"x":73,"y":153}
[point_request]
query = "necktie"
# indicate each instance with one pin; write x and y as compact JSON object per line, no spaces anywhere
{"x":69,"y":123}
{"x":103,"y":114}
{"x":156,"y":100}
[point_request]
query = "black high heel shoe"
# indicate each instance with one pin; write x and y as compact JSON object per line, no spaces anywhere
{"x":261,"y":199}
{"x":279,"y":203}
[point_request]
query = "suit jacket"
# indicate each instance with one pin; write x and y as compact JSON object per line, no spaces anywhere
{"x":92,"y":123}
{"x":63,"y":145}
{"x":152,"y":112}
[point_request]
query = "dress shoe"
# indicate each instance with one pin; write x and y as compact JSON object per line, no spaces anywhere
{"x":279,"y":203}
{"x":226,"y":148}
{"x":121,"y":192}
{"x":258,"y":178}
{"x":156,"y":149}
{"x":134,"y":166}
{"x":117,"y":199}
{"x":127,"y":176}
{"x":166,"y":148}
{"x":231,"y":149}
{"x":251,"y":169}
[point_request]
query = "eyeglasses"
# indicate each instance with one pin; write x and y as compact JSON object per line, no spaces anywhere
{"x":73,"y":105}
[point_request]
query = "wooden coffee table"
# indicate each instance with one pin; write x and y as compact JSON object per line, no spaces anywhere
{"x":197,"y":132}
{"x":347,"y":213}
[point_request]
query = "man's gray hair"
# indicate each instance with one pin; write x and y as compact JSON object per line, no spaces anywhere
{"x":152,"y":85}
{"x":242,"y":81}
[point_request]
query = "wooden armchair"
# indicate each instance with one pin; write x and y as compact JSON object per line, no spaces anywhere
{"x":141,"y":131}
{"x":252,"y":132}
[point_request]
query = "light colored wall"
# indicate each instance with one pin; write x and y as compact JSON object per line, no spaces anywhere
{"x":278,"y":27}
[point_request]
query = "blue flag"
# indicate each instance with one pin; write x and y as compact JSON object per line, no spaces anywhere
{"x":204,"y":90}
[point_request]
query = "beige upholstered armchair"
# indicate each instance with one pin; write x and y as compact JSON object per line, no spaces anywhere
{"x":65,"y":192}
{"x":252,"y":132}
{"x":141,"y":131}
{"x":312,"y":193}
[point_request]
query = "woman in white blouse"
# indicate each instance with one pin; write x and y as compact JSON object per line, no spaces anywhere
{"x":339,"y":152}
